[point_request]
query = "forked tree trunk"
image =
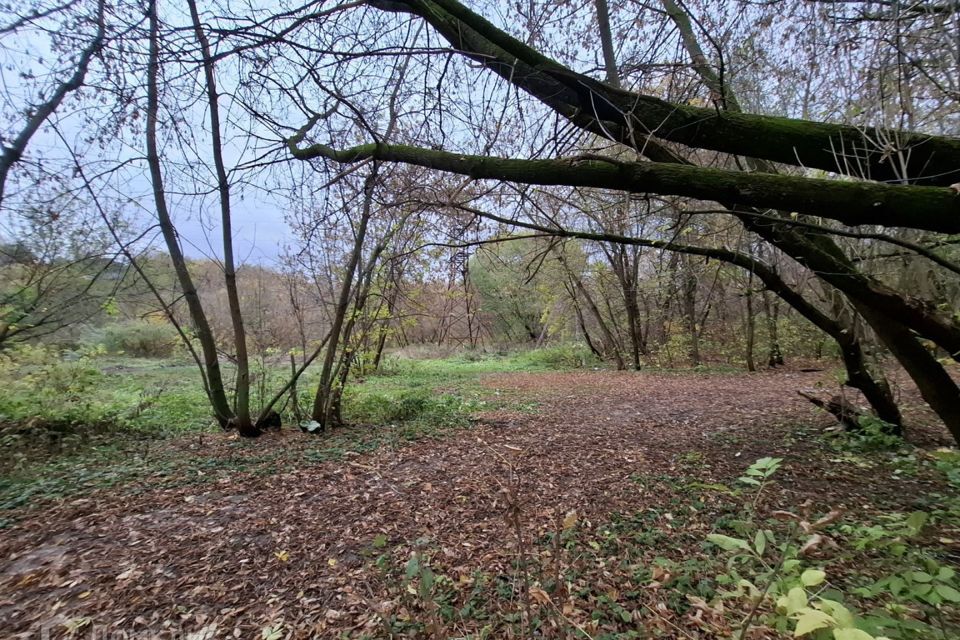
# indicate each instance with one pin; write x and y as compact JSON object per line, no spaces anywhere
{"x":324,"y":401}
{"x":608,"y":337}
{"x":245,"y":426}
{"x":936,"y":386}
{"x":572,"y":292}
{"x":217,"y":394}
{"x":874,"y":387}
{"x":689,"y":306}
{"x":334,"y":416}
{"x":625,"y":269}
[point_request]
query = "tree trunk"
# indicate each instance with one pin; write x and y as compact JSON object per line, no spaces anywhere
{"x":608,"y":336}
{"x":750,"y":325}
{"x":245,"y":426}
{"x":571,"y":291}
{"x":875,"y":388}
{"x":384,"y":326}
{"x":625,"y":268}
{"x":689,"y":305}
{"x":606,"y":43}
{"x":217,"y":395}
{"x":771,"y":310}
{"x":936,"y":386}
{"x":322,"y":403}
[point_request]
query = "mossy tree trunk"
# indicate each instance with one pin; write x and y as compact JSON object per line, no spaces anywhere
{"x":625,"y":116}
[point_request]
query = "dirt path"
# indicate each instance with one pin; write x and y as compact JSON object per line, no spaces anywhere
{"x":321,"y":549}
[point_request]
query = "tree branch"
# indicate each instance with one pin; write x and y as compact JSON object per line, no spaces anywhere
{"x":852,"y":203}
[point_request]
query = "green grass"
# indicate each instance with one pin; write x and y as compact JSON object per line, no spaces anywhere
{"x":76,"y":424}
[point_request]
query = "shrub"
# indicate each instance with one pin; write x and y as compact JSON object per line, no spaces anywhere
{"x":43,"y":388}
{"x":573,"y":355}
{"x":405,"y":405}
{"x":141,"y":338}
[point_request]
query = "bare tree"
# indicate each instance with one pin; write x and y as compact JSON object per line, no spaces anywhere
{"x":38,"y":114}
{"x":211,"y":361}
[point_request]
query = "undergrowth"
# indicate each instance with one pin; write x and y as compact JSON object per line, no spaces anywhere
{"x":72,"y":422}
{"x":707,"y":561}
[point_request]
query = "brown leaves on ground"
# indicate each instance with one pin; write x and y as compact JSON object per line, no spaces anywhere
{"x":322,"y":550}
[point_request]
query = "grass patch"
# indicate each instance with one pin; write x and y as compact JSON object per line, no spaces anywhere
{"x":76,"y":423}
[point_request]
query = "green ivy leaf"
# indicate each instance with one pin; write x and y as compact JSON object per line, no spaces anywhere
{"x":812,"y":577}
{"x":851,"y":634}
{"x":760,"y":542}
{"x":809,"y":620}
{"x":948,"y":593}
{"x":727,"y":543}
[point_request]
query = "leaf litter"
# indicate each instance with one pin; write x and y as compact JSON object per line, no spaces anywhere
{"x":475,"y":533}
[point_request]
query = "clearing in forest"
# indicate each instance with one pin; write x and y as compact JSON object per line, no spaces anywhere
{"x":580,"y":509}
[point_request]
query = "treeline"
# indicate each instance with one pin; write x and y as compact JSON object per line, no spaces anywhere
{"x":509,"y":292}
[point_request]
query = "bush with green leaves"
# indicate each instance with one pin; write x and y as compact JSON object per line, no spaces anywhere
{"x":873,"y":434}
{"x":770,"y":572}
{"x":141,"y":339}
{"x":43,"y":387}
{"x":403,"y":405}
{"x":572,"y":355}
{"x":52,"y":396}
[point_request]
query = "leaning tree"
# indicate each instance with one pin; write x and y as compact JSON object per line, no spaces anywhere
{"x":857,"y":176}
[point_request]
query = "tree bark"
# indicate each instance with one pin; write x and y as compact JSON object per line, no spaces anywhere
{"x":625,"y":268}
{"x":936,"y":386}
{"x":608,"y":336}
{"x":606,"y":43}
{"x":688,"y":299}
{"x":607,"y":111}
{"x":217,"y":395}
{"x":242,"y":398}
{"x":572,"y":292}
{"x":322,"y":405}
{"x":852,"y":203}
{"x":771,"y":311}
{"x":750,"y":325}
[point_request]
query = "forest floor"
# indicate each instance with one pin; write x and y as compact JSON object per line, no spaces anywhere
{"x":578,"y":509}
